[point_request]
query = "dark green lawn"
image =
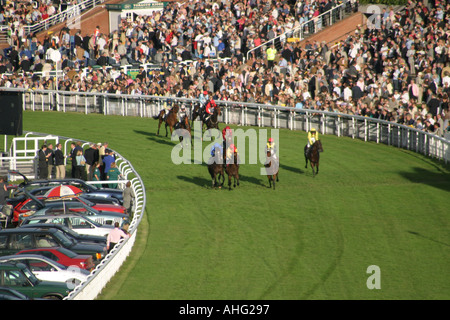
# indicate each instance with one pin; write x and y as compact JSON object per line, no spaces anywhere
{"x":311,"y":238}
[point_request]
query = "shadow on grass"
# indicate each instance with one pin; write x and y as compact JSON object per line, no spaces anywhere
{"x":292,"y":169}
{"x":428,"y":238}
{"x":199,"y":181}
{"x":162,"y":139}
{"x":258,"y":182}
{"x":439,"y":179}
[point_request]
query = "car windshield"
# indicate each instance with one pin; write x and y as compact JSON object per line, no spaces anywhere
{"x":30,"y":276}
{"x":95,"y":223}
{"x":86,"y":201}
{"x":64,"y":239}
{"x":67,"y":253}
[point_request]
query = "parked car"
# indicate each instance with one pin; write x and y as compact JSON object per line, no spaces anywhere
{"x":17,"y":276}
{"x":90,"y":189}
{"x":70,"y":233}
{"x":102,"y":217}
{"x":41,"y":191}
{"x":79,"y":223}
{"x":32,"y":204}
{"x":49,"y":270}
{"x":64,"y":256}
{"x":17,"y":239}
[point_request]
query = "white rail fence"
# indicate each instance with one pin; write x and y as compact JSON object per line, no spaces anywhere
{"x":102,"y":274}
{"x":246,"y":114}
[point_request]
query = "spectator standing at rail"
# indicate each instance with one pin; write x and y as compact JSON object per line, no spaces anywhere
{"x":114,"y":237}
{"x":59,"y":162}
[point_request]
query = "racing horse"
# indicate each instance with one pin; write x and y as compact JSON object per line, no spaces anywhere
{"x":232,"y":170}
{"x":197,"y":112}
{"x":313,"y":155}
{"x":272,"y":165}
{"x":184,"y":124}
{"x":215,"y":169}
{"x":170,"y":120}
{"x":213,"y":120}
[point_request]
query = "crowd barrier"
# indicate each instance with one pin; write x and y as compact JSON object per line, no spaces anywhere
{"x":246,"y":114}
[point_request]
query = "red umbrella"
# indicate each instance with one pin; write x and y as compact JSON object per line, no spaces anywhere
{"x":62,"y":192}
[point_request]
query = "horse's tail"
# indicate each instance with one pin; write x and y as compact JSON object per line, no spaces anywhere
{"x":156,"y":117}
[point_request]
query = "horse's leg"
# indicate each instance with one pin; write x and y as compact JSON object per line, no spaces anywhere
{"x":312,"y":167}
{"x":159,"y":125}
{"x":273,"y":178}
{"x":270,"y":181}
{"x":229,"y":182}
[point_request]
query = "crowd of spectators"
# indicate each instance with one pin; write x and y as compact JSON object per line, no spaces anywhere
{"x":397,"y":69}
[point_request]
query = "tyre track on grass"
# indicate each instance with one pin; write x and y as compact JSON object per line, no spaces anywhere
{"x":330,"y":270}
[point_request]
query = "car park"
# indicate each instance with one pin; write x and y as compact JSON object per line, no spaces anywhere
{"x":70,"y":233}
{"x":102,"y":217}
{"x":34,"y":204}
{"x":79,"y":223}
{"x":17,"y":276}
{"x":90,"y":189}
{"x":17,"y":239}
{"x":41,"y":191}
{"x":49,"y":270}
{"x":64,"y":256}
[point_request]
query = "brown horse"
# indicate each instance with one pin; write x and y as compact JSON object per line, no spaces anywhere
{"x":197,"y":112}
{"x":313,"y":155}
{"x":215,"y":169}
{"x":272,"y":166}
{"x":184,"y":124}
{"x":232,"y":170}
{"x":213,"y":120}
{"x":170,"y":120}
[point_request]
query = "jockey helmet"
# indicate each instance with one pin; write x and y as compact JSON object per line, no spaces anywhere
{"x":205,"y":92}
{"x":270,"y":139}
{"x":313,"y":130}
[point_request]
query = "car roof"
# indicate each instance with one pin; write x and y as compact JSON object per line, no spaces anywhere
{"x":26,"y":230}
{"x":22,"y":256}
{"x":12,"y":265}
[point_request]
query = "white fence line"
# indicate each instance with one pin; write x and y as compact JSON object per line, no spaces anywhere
{"x":102,"y":274}
{"x":247,"y":114}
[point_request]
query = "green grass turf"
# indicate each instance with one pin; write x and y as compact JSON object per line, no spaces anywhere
{"x":311,"y":238}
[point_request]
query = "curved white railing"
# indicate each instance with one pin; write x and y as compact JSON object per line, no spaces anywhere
{"x":241,"y":113}
{"x":102,"y":274}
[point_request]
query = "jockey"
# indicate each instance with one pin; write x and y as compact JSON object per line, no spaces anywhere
{"x":230,"y":154}
{"x":214,"y":148}
{"x":272,"y":148}
{"x":167,"y":109}
{"x":203,"y":98}
{"x":210,"y":108}
{"x":182,"y":113}
{"x":313,"y":136}
{"x":227,"y":135}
